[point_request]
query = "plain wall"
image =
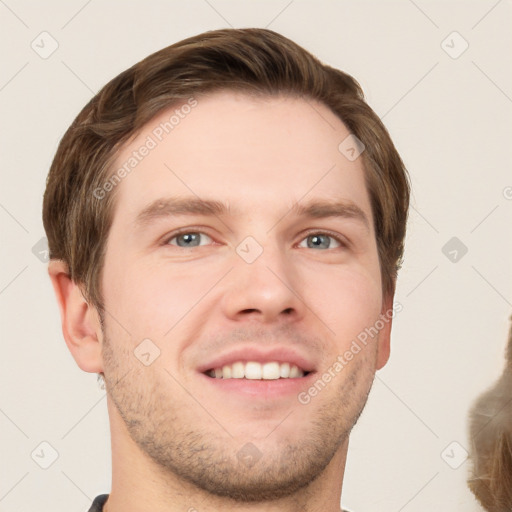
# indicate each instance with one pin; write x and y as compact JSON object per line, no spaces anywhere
{"x":450,"y":119}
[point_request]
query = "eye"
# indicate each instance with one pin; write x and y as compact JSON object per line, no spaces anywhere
{"x":318,"y":240}
{"x":188,"y":239}
{"x":322,"y":241}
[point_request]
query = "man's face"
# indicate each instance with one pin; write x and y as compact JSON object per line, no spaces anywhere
{"x":260,"y":281}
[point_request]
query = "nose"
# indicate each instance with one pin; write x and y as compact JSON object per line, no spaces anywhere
{"x":267,"y":289}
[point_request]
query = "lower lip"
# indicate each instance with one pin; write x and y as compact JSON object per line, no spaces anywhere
{"x":262,"y":388}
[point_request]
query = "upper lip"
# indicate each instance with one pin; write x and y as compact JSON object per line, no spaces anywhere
{"x":281,"y":354}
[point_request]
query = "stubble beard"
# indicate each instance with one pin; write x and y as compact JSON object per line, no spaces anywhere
{"x":198,"y":451}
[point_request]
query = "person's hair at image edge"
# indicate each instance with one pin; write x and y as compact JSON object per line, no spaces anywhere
{"x":490,"y":436}
{"x":255,"y":61}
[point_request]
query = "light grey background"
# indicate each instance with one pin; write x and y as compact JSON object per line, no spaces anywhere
{"x":451,"y":121}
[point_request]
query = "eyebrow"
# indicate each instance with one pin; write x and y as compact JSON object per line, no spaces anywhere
{"x":176,"y":206}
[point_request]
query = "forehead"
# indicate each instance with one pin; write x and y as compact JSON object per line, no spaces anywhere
{"x":252,"y":153}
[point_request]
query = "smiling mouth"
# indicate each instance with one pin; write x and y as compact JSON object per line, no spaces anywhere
{"x":252,"y":370}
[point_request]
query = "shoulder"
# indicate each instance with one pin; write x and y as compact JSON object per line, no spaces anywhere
{"x":97,"y":504}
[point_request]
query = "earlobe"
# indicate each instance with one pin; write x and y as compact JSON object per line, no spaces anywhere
{"x":384,"y":340}
{"x":80,"y":321}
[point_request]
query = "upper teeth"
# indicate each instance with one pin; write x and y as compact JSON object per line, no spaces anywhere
{"x":255,"y":370}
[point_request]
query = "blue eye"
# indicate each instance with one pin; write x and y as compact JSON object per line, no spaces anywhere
{"x":321,"y":240}
{"x":188,"y":239}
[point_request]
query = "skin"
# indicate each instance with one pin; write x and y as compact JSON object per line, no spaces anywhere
{"x":176,"y":440}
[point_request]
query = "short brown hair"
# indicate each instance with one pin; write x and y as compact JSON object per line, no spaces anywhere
{"x":255,"y":61}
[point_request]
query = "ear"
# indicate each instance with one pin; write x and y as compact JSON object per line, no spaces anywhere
{"x":384,"y":340}
{"x":81,"y":325}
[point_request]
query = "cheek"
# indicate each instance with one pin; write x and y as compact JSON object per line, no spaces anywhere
{"x":149,"y":298}
{"x":347,"y":299}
